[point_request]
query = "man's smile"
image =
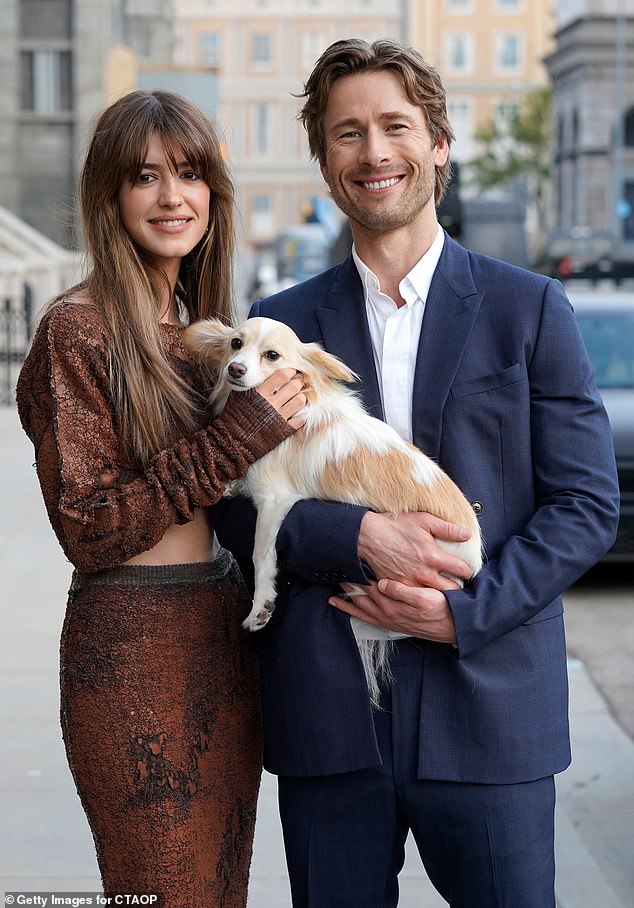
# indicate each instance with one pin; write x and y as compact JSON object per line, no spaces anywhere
{"x":383,"y":183}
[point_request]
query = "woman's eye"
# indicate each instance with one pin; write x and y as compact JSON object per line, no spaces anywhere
{"x":236,"y":343}
{"x":145,"y":178}
{"x":272,"y":355}
{"x":190,"y":175}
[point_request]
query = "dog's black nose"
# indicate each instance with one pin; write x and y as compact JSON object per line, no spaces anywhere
{"x":236,"y":370}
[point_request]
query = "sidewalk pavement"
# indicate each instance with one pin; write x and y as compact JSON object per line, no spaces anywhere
{"x":45,"y":843}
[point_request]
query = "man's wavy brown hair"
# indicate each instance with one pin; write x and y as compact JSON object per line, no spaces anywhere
{"x":420,"y":80}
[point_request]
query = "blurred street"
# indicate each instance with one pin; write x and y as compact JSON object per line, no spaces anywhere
{"x":45,"y":843}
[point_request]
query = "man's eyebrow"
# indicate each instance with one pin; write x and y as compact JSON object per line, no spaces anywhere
{"x":389,"y":115}
{"x":396,"y":115}
{"x":348,"y":121}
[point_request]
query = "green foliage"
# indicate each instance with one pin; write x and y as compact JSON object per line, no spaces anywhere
{"x":516,"y":144}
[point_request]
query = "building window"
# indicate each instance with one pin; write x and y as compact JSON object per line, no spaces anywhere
{"x":209,"y":48}
{"x":262,"y":220}
{"x":48,"y":20}
{"x":46,"y":81}
{"x":262,"y":129}
{"x":261,"y":48}
{"x":459,"y":52}
{"x":313,"y":43}
{"x":508,"y":49}
{"x":370,"y":37}
{"x":459,"y":6}
{"x":460,"y":112}
{"x":509,"y":6}
{"x":628,"y":129}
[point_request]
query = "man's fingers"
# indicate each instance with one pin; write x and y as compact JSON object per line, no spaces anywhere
{"x":397,"y":590}
{"x":442,"y":529}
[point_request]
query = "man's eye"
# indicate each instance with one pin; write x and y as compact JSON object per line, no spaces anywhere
{"x":272,"y":355}
{"x":236,"y":343}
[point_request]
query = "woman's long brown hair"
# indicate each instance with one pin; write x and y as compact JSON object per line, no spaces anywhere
{"x":152,"y":403}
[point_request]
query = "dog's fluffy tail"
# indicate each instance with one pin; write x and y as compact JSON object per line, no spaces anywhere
{"x":375,"y":656}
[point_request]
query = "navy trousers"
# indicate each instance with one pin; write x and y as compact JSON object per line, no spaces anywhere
{"x":483,"y":846}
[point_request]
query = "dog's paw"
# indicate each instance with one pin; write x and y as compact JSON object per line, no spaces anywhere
{"x":257,"y":618}
{"x":232,"y":489}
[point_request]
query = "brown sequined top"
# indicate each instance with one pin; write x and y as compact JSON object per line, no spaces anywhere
{"x":103,"y":510}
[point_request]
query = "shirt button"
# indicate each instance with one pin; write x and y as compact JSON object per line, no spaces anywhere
{"x":478,"y":507}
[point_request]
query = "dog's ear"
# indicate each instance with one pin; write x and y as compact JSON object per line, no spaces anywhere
{"x":327,"y":365}
{"x":208,"y":339}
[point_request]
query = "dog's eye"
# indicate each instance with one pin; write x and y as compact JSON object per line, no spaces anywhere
{"x":272,"y":355}
{"x":236,"y":343}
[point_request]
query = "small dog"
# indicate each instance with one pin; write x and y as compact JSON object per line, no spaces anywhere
{"x":340,"y":454}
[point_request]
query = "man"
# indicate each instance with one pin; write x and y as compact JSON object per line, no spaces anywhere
{"x":481,"y":365}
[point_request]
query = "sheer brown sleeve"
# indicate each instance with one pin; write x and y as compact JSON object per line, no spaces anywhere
{"x":101,"y":512}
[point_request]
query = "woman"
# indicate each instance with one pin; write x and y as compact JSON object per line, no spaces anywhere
{"x":158,"y":682}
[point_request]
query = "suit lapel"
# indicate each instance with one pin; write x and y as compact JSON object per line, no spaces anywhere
{"x":344,"y":327}
{"x":452,"y":305}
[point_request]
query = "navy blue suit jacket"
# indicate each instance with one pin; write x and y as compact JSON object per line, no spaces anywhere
{"x":505,"y":400}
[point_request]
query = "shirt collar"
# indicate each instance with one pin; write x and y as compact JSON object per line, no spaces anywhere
{"x":415,"y":285}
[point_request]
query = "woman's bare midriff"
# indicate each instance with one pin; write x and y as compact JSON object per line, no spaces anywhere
{"x":182,"y":544}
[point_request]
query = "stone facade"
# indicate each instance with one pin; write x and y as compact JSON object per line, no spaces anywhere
{"x":53,"y":66}
{"x":593,"y":159}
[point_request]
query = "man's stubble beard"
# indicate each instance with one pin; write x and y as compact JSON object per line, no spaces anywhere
{"x":393,"y":217}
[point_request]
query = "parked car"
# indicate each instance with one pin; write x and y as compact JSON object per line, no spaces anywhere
{"x":579,"y":253}
{"x":606,"y":321}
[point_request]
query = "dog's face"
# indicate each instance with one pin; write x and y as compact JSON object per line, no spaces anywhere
{"x":245,"y":356}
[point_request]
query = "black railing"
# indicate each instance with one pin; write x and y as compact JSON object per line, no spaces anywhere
{"x":16,"y":325}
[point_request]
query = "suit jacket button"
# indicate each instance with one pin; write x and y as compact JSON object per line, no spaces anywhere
{"x":478,"y":507}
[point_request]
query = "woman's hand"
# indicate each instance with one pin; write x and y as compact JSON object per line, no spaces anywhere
{"x":284,"y":391}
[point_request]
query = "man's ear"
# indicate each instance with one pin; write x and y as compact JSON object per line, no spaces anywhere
{"x":441,"y":151}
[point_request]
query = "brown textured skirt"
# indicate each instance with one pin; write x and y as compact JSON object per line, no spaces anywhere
{"x":160,"y":715}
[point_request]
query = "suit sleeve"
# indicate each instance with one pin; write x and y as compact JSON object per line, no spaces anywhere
{"x":317,"y":541}
{"x":576,"y":490}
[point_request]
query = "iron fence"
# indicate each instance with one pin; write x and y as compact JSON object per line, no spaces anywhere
{"x":16,"y":326}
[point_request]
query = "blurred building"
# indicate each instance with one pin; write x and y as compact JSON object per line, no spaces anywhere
{"x":56,"y":72}
{"x":592,"y":71}
{"x":488,"y":52}
{"x":264,"y":51}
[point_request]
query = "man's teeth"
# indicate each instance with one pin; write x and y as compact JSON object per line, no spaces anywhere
{"x":381,"y":184}
{"x":171,"y":223}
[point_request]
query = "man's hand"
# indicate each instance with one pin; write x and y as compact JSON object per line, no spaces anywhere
{"x":411,"y":610}
{"x":404,"y":548}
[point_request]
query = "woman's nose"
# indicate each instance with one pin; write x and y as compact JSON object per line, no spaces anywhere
{"x":171,"y":195}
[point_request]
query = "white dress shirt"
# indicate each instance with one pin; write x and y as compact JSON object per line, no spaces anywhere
{"x":395,"y":333}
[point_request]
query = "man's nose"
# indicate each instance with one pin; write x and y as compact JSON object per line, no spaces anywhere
{"x":375,"y":148}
